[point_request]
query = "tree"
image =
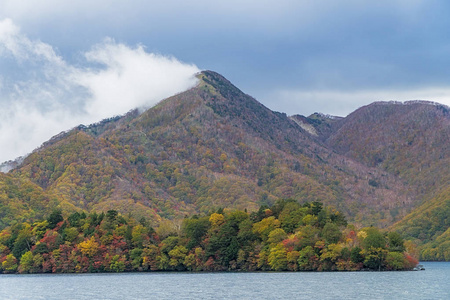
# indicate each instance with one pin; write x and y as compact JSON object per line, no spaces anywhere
{"x":70,"y":234}
{"x":281,"y":204}
{"x":246,"y":235}
{"x":322,"y":218}
{"x":356,"y":256}
{"x":54,"y":218}
{"x":292,"y":259}
{"x":374,"y":239}
{"x":216,"y":220}
{"x":224,"y":244}
{"x":9,"y":265}
{"x":149,"y":255}
{"x":136,"y":258}
{"x":309,"y":220}
{"x":330,"y":255}
{"x":229,"y":240}
{"x":163,"y":261}
{"x":117,"y":263}
{"x":395,"y":261}
{"x":39,"y":229}
{"x":338,"y":218}
{"x":75,"y":219}
{"x":190,"y":262}
{"x":395,"y":242}
{"x":168,"y":244}
{"x":308,"y":236}
{"x":307,"y":260}
{"x":278,"y":258}
{"x":194,"y":230}
{"x":374,"y":258}
{"x":26,"y":262}
{"x":23,"y":241}
{"x":264,"y":227}
{"x":316,"y":208}
{"x":276,"y":236}
{"x":166,"y":228}
{"x":177,"y":256}
{"x":291,"y":216}
{"x":139,"y":235}
{"x":89,"y":247}
{"x":111,"y":215}
{"x":331,"y":233}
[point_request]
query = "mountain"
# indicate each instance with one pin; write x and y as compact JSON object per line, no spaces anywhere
{"x":429,"y":226}
{"x":410,"y":140}
{"x":211,"y":146}
{"x":21,"y":200}
{"x":214,"y":146}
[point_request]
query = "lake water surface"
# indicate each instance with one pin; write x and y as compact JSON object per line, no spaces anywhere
{"x":433,"y":283}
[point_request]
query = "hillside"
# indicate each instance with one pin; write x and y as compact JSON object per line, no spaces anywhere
{"x":21,"y":200}
{"x":211,"y":146}
{"x":410,"y":140}
{"x":429,"y":226}
{"x":214,"y":146}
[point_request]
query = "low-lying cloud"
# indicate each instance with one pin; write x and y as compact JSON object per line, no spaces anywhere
{"x":42,"y":94}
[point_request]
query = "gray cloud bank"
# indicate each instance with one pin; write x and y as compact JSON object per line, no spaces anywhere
{"x":49,"y":95}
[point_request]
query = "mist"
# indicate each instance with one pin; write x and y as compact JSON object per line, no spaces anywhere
{"x":42,"y":93}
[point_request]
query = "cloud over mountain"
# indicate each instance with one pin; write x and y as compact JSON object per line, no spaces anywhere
{"x":43,"y":94}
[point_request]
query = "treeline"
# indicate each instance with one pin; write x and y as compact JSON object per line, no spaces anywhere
{"x":285,"y":237}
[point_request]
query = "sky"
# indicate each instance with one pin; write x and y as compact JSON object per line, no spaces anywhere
{"x":65,"y":63}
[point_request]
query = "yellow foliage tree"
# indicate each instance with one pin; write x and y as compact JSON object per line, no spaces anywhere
{"x":216,"y":220}
{"x":265,"y":226}
{"x":88,"y":247}
{"x":9,"y":265}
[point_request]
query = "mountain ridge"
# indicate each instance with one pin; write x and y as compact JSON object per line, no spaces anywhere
{"x":214,"y":146}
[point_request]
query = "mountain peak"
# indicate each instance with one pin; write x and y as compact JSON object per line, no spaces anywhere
{"x":213,"y":145}
{"x":218,"y":83}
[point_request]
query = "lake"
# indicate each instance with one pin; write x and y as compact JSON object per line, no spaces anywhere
{"x":433,"y":283}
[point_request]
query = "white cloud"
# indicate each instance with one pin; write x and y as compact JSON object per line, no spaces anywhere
{"x":12,"y":42}
{"x":49,"y":95}
{"x":131,"y":78}
{"x":341,"y":103}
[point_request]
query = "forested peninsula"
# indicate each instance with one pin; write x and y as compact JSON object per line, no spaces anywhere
{"x":288,"y":236}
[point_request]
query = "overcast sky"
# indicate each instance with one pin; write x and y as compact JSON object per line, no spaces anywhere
{"x":63,"y":63}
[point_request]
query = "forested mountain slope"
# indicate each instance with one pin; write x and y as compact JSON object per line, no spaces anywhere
{"x":214,"y":146}
{"x":22,"y":200}
{"x":410,"y":140}
{"x":211,"y":146}
{"x":429,"y":226}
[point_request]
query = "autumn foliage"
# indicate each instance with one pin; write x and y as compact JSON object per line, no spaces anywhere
{"x":224,"y":240}
{"x":213,"y":146}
